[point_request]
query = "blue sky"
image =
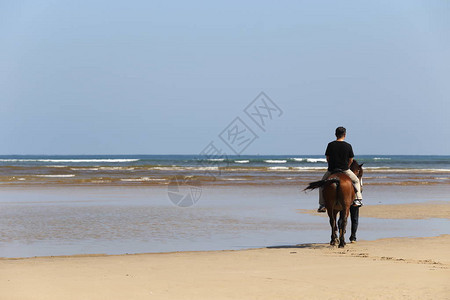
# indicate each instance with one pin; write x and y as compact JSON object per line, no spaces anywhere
{"x":161,"y":77}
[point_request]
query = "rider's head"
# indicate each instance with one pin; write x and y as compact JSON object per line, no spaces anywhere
{"x":340,"y":132}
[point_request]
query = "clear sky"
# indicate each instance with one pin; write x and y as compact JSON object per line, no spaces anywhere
{"x":166,"y":77}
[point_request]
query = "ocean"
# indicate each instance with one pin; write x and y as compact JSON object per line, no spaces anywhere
{"x":114,"y":204}
{"x":245,"y":169}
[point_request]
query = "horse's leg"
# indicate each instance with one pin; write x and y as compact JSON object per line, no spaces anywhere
{"x":354,"y":216}
{"x":332,"y":217}
{"x":342,"y":225}
{"x":329,"y":194}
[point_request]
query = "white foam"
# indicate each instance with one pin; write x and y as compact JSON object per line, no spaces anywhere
{"x":309,"y":168}
{"x":216,"y":159}
{"x":432,"y":170}
{"x":247,"y":169}
{"x":142,"y":179}
{"x":405,"y":170}
{"x":382,"y":158}
{"x":278,"y":168}
{"x":116,"y":168}
{"x":315,"y":160}
{"x":275,"y":161}
{"x":309,"y":159}
{"x":205,"y":168}
{"x":56,"y":176}
{"x":298,"y":159}
{"x":57,"y":166}
{"x":165,"y":168}
{"x":173,"y":168}
{"x":245,"y":161}
{"x":72,"y":160}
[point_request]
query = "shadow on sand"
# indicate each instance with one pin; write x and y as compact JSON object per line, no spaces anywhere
{"x":301,"y":246}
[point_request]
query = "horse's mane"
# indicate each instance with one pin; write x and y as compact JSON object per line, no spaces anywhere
{"x":357,"y":166}
{"x":356,"y":162}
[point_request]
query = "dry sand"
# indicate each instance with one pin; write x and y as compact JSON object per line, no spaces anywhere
{"x":424,"y":210}
{"x":410,"y":268}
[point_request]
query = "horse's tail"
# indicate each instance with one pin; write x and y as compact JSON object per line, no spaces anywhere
{"x":318,"y":184}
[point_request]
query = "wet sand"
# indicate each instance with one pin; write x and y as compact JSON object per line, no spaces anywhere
{"x":44,"y":221}
{"x":397,"y":268}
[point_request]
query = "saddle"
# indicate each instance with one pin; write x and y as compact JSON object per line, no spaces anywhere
{"x":337,"y":170}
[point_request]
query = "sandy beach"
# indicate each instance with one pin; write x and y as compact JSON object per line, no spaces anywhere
{"x":164,"y":149}
{"x":397,"y":268}
{"x":276,"y":260}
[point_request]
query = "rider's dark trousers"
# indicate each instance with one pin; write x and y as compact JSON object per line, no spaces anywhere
{"x":354,"y":216}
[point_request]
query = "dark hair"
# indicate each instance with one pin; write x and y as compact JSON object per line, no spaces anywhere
{"x":340,"y":132}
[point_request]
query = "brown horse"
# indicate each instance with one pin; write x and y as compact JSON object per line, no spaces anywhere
{"x":339,"y":194}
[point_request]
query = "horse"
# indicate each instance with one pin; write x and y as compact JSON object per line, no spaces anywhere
{"x":339,"y":194}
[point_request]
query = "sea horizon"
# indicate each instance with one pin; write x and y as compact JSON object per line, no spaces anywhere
{"x":212,"y":169}
{"x":192,"y":154}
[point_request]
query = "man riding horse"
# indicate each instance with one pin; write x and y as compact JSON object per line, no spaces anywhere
{"x":339,"y":157}
{"x":340,"y":189}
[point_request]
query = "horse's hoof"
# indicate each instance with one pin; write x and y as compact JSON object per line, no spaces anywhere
{"x":341,"y":246}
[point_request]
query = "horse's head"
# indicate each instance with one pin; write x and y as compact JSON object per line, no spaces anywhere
{"x":357,"y":169}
